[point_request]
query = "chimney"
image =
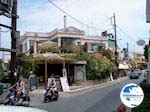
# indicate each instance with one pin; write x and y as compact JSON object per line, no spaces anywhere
{"x":65,"y":22}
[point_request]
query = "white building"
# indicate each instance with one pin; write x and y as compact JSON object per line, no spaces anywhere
{"x":69,"y":35}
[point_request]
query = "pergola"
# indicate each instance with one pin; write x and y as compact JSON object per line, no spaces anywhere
{"x":46,"y":60}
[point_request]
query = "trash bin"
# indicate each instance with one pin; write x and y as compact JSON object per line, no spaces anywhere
{"x":1,"y":89}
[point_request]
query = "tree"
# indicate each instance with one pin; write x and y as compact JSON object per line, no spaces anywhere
{"x":25,"y":66}
{"x":133,"y":64}
{"x":146,"y":51}
{"x":105,"y":67}
{"x":108,"y":53}
{"x":66,"y":48}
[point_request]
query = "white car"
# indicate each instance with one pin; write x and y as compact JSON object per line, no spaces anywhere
{"x":19,"y":109}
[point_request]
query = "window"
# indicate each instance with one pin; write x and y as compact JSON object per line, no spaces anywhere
{"x":25,"y":47}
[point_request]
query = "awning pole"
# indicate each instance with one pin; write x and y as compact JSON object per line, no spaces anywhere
{"x":46,"y":71}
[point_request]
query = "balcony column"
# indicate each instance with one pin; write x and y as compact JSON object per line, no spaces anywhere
{"x":59,"y":41}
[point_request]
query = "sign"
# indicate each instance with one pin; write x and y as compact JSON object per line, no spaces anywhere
{"x":140,"y":42}
{"x":64,"y":84}
{"x":132,"y":95}
{"x":17,"y":34}
{"x":5,"y":6}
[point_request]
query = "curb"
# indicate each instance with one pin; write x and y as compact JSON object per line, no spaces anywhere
{"x":102,"y":85}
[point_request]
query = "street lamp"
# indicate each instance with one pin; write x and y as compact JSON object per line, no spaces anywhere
{"x":141,"y":42}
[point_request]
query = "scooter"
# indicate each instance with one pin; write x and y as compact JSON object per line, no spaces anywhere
{"x":24,"y":100}
{"x":48,"y":96}
{"x":10,"y":98}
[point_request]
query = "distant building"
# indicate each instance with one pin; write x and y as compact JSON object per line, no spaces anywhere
{"x":139,"y":57}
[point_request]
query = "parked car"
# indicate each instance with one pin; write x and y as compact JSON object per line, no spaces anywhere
{"x":133,"y":75}
{"x":138,"y":71}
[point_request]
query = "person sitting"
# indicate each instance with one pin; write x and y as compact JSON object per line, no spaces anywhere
{"x":20,"y":87}
{"x":52,"y":85}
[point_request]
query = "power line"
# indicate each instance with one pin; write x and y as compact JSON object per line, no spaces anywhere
{"x":75,"y":18}
{"x":125,"y":33}
{"x":4,"y":31}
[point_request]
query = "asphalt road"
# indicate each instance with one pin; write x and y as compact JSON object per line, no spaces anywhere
{"x":98,"y":99}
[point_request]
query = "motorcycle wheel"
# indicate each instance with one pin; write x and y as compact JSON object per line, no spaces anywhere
{"x":46,"y":99}
{"x":6,"y":102}
{"x":56,"y":98}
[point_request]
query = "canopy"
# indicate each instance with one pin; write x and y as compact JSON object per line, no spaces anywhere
{"x":49,"y":57}
{"x":123,"y":66}
{"x":47,"y":44}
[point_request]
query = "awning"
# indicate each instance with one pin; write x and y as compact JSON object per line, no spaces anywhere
{"x":123,"y":66}
{"x":47,"y":44}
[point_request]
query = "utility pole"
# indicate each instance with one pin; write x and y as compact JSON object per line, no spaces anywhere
{"x":13,"y":35}
{"x":0,"y":36}
{"x":127,"y":51}
{"x":148,"y":71}
{"x":115,"y":34}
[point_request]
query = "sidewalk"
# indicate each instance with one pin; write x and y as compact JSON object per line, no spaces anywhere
{"x":102,"y":85}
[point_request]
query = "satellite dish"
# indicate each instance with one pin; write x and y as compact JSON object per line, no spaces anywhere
{"x":140,"y":42}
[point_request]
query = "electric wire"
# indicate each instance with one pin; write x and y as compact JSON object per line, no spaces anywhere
{"x":75,"y":18}
{"x":125,"y":33}
{"x":4,"y":31}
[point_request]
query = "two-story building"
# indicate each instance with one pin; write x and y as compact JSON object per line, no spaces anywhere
{"x":68,"y":36}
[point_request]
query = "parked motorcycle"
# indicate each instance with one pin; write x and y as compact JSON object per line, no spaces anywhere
{"x":10,"y":98}
{"x":24,"y":100}
{"x":48,"y":96}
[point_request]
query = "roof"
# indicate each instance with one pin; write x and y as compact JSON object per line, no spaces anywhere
{"x":49,"y":57}
{"x":48,"y":44}
{"x":71,"y":29}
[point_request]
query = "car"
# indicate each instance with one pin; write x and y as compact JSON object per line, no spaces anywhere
{"x":19,"y":109}
{"x":138,"y":71}
{"x":133,"y":75}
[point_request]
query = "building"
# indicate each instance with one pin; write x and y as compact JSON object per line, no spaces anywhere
{"x":139,"y":57}
{"x":68,"y":36}
{"x":30,"y":43}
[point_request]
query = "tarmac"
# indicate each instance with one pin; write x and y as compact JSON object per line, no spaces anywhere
{"x":37,"y":95}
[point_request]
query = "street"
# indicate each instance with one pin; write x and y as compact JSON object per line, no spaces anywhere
{"x":98,"y":99}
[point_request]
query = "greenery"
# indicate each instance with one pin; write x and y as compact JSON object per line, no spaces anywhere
{"x":1,"y":69}
{"x":96,"y":68}
{"x":108,"y":53}
{"x":144,"y":107}
{"x":54,"y":50}
{"x":24,"y":65}
{"x":146,"y":51}
{"x":134,"y":64}
{"x":66,"y":49}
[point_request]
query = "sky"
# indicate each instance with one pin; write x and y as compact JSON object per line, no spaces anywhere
{"x":42,"y":16}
